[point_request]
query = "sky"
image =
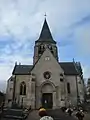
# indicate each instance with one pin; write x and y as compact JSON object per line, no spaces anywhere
{"x":20,"y":25}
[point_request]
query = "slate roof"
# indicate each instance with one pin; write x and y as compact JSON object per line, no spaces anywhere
{"x":69,"y":68}
{"x":45,"y":35}
{"x":22,"y":69}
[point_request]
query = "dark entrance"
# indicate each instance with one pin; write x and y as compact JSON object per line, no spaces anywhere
{"x":47,"y":100}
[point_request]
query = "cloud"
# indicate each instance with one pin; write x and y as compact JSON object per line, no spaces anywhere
{"x":82,"y":37}
{"x":7,"y":64}
{"x":18,"y":18}
{"x":3,"y":85}
{"x":82,"y":21}
{"x":86,"y":69}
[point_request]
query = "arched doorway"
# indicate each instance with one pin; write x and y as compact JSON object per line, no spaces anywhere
{"x":47,"y":95}
{"x":47,"y":100}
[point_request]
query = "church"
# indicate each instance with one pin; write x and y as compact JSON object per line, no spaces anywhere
{"x":47,"y":82}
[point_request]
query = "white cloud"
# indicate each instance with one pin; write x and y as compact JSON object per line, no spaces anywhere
{"x":23,"y":19}
{"x":82,"y":39}
{"x":86,"y":70}
{"x":3,"y":85}
{"x":10,"y":60}
{"x":6,"y":67}
{"x":5,"y":72}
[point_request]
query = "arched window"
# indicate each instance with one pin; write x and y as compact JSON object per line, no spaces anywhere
{"x":61,"y":74}
{"x":61,"y":79}
{"x":41,"y":49}
{"x":22,"y":88}
{"x":50,"y":47}
{"x":52,"y":51}
{"x":68,"y":88}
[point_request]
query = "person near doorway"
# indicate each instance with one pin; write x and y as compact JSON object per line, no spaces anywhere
{"x":43,"y":115}
{"x":80,"y":114}
{"x":69,"y":111}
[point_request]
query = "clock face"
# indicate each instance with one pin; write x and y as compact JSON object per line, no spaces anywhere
{"x":47,"y":75}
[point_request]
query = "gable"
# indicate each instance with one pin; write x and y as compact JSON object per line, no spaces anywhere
{"x":47,"y":61}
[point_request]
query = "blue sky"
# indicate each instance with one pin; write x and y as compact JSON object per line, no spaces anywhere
{"x":20,"y":25}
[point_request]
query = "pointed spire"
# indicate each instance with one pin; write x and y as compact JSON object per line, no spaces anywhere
{"x":45,"y":33}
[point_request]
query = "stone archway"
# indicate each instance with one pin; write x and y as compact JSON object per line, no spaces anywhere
{"x":47,"y":89}
{"x":49,"y":83}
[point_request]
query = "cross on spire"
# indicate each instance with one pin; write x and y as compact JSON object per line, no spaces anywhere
{"x":45,"y":15}
{"x":45,"y":35}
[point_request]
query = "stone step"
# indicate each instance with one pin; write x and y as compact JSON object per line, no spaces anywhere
{"x":56,"y":114}
{"x":13,"y":113}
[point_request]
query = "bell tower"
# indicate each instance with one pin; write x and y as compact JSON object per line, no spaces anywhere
{"x":45,"y":41}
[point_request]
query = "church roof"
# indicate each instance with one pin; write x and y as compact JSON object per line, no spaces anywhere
{"x":69,"y":68}
{"x":22,"y":69}
{"x":45,"y":35}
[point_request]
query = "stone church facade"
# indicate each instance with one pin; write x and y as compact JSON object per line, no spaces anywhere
{"x":48,"y":82}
